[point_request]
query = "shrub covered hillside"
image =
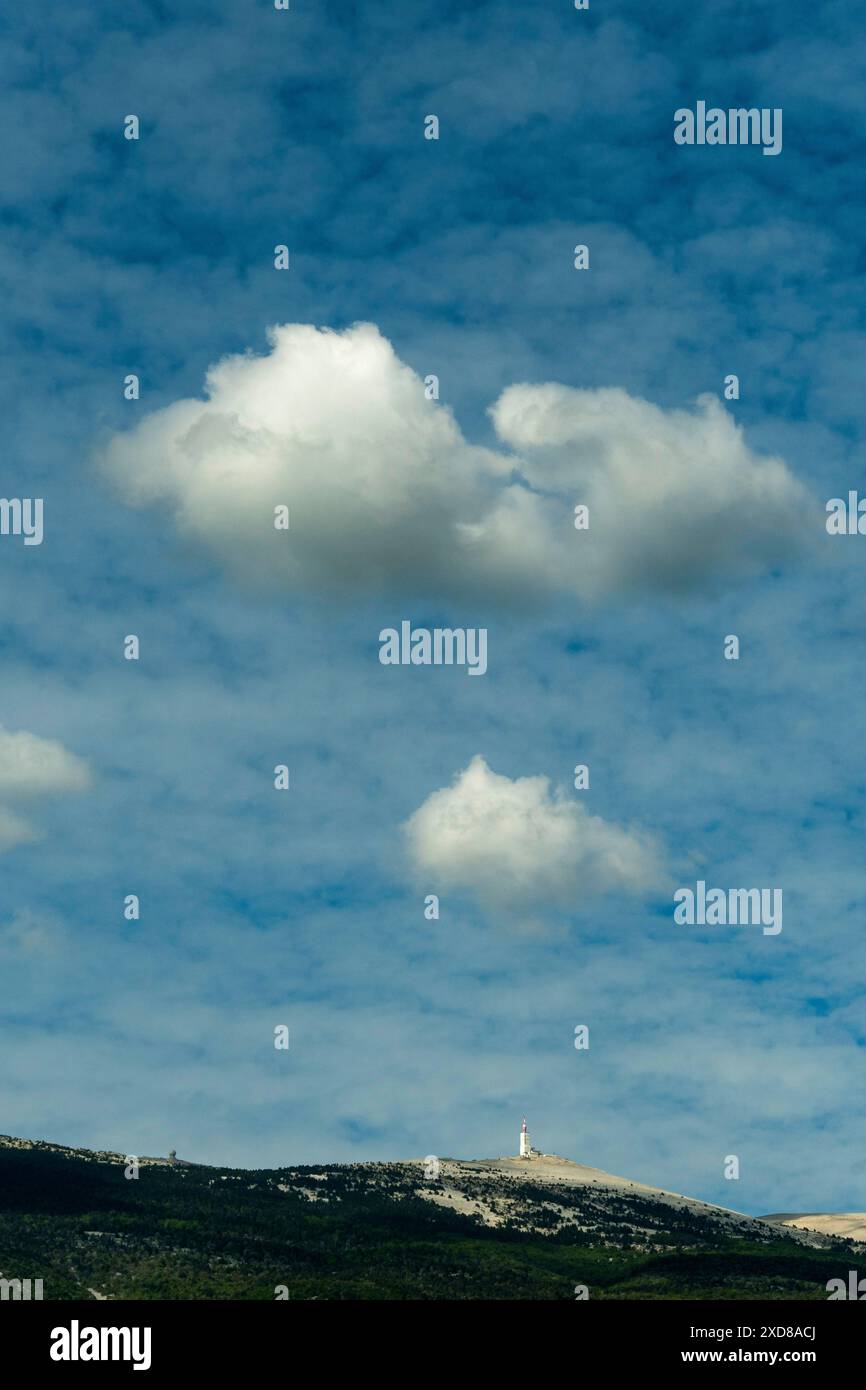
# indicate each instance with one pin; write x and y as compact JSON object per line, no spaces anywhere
{"x":370,"y":1231}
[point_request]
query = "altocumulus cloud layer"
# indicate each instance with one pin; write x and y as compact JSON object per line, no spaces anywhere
{"x":261,"y":907}
{"x":33,"y":768}
{"x":517,"y":846}
{"x":385,"y":493}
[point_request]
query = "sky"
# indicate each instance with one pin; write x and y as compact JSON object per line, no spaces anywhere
{"x":409,"y":258}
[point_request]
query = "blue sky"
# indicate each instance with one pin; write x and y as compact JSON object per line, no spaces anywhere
{"x":258,"y":908}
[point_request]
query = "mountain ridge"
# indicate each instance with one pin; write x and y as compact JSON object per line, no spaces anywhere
{"x":92,"y":1225}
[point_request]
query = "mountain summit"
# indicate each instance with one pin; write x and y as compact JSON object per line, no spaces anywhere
{"x":95,"y":1225}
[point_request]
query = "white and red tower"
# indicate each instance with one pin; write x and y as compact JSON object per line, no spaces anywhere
{"x":525,"y":1146}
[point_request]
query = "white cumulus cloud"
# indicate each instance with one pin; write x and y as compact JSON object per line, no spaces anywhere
{"x":519,"y":846}
{"x":675,"y":497}
{"x":385,"y":493}
{"x":33,"y":768}
{"x":382,"y":488}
